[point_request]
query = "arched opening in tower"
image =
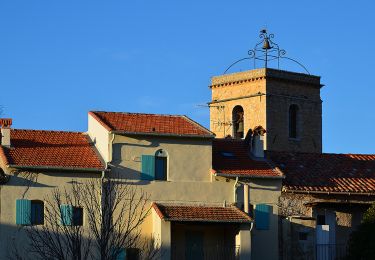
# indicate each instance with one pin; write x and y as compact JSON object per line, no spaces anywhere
{"x":238,"y":122}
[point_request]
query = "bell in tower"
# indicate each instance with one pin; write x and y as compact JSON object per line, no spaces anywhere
{"x":287,"y":104}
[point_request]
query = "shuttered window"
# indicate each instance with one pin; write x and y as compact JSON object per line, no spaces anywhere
{"x":37,"y":212}
{"x":23,"y":212}
{"x":262,"y":216}
{"x":121,"y":255}
{"x":161,"y":168}
{"x":71,"y":216}
{"x":66,"y":215}
{"x":148,"y":167}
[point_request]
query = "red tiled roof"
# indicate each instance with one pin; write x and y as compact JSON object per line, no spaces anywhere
{"x":240,"y":164}
{"x":150,"y":124}
{"x":201,"y":213}
{"x":54,"y":149}
{"x":354,"y":173}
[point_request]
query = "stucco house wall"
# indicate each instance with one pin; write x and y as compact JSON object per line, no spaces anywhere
{"x":35,"y":186}
{"x":265,"y":243}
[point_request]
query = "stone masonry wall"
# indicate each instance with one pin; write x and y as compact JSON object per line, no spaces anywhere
{"x":266,"y":95}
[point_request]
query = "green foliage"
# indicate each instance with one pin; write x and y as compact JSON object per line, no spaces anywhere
{"x":362,"y":241}
{"x":369,"y":216}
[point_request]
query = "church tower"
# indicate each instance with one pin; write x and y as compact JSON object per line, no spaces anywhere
{"x":286,"y":104}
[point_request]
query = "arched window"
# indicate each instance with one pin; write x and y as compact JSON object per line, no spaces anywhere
{"x":293,"y":121}
{"x":238,"y":122}
{"x":161,"y":165}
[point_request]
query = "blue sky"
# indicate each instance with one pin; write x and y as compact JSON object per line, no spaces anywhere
{"x":61,"y":59}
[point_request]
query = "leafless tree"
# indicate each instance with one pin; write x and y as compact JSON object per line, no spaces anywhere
{"x":116,"y":218}
{"x":114,"y":210}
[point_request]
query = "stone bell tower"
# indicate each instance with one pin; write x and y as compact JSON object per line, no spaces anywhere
{"x":287,"y":104}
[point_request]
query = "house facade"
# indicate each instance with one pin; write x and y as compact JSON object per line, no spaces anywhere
{"x":193,"y":213}
{"x":33,"y":164}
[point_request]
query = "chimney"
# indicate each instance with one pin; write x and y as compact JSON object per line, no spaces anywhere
{"x":5,"y":124}
{"x":257,"y":142}
{"x":257,"y":148}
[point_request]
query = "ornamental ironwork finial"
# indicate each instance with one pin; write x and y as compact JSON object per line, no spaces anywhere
{"x":266,"y":51}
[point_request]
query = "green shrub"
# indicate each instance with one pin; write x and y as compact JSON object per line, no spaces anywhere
{"x":362,"y":241}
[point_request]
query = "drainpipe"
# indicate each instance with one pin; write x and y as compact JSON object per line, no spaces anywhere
{"x":234,"y":190}
{"x":246,"y":197}
{"x":110,"y":150}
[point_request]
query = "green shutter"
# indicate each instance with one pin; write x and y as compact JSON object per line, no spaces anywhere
{"x":66,"y":215}
{"x":262,"y":216}
{"x":121,"y":255}
{"x":148,"y":167}
{"x":23,"y":212}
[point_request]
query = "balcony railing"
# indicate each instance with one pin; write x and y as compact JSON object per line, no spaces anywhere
{"x":206,"y":253}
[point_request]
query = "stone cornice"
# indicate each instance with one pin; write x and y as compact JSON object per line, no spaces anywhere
{"x":259,"y":74}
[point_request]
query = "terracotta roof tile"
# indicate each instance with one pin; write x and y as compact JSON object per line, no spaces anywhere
{"x":231,"y":157}
{"x":55,"y":149}
{"x":325,"y":172}
{"x":201,"y":213}
{"x":150,"y":124}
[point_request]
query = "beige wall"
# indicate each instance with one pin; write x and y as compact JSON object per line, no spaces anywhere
{"x":100,"y":136}
{"x":189,"y":159}
{"x":264,"y":243}
{"x":40,"y":186}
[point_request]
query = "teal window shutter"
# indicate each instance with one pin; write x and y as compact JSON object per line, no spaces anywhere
{"x":66,"y":215}
{"x":262,"y":216}
{"x":121,"y":255}
{"x":148,"y":167}
{"x":23,"y":212}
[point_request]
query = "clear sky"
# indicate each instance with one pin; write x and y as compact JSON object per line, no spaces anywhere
{"x":61,"y":59}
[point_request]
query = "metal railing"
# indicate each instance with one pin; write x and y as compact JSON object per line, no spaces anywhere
{"x":331,"y":251}
{"x":206,"y":253}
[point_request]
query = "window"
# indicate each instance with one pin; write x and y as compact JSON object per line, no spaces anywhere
{"x":77,"y":216}
{"x":37,"y":212}
{"x":71,"y":216}
{"x":155,"y":167}
{"x":238,"y":122}
{"x":29,"y":212}
{"x":161,"y":165}
{"x":293,"y":121}
{"x":132,"y":253}
{"x":119,"y":253}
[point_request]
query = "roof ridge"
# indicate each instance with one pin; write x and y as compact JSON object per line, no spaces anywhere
{"x":138,"y":113}
{"x":44,"y":130}
{"x":199,"y":125}
{"x":312,"y":153}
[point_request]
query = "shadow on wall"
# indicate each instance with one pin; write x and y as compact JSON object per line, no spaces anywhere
{"x":15,"y":244}
{"x":22,"y":181}
{"x":298,"y":238}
